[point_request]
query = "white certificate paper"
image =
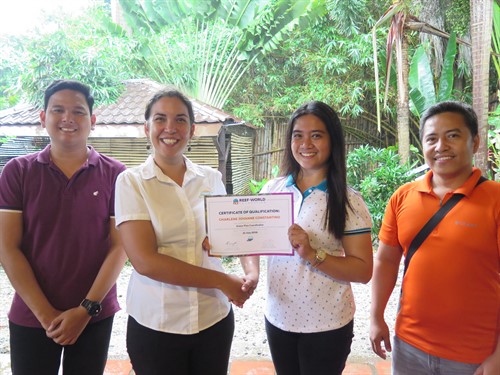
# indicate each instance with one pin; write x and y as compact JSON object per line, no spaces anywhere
{"x":249,"y":224}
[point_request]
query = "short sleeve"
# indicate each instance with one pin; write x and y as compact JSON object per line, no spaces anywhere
{"x":388,"y":233}
{"x":358,"y":217}
{"x":129,"y":201}
{"x":11,"y":187}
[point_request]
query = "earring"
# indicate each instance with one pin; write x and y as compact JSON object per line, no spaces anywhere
{"x":189,"y":146}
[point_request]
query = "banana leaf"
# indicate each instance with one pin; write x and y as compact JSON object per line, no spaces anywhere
{"x":421,"y":82}
{"x":447,"y":73}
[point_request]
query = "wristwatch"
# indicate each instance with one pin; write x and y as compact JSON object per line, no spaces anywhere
{"x":319,"y":258}
{"x":92,"y":307}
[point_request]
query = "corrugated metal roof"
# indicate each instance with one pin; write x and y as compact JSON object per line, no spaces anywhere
{"x":125,"y":118}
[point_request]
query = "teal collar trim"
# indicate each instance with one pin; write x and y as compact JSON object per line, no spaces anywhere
{"x":321,"y":186}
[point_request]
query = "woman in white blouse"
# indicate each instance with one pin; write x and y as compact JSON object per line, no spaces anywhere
{"x":178,"y":299}
{"x":310,"y":306}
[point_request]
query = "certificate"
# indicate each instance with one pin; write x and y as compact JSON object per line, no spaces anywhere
{"x":250,"y":224}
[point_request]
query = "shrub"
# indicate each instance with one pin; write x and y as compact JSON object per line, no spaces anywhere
{"x":376,"y":173}
{"x":256,"y":186}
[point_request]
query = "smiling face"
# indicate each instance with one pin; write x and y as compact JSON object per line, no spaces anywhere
{"x":310,"y":144}
{"x":449,"y":147}
{"x":169,"y":130}
{"x":67,"y":119}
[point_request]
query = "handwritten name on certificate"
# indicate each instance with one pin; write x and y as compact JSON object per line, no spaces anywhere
{"x":250,"y":224}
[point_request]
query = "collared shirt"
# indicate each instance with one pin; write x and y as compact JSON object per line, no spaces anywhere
{"x":177,"y":215}
{"x":451,"y":290}
{"x":66,"y":224}
{"x":301,"y":298}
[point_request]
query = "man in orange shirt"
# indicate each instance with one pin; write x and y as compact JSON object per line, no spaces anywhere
{"x":448,"y":322}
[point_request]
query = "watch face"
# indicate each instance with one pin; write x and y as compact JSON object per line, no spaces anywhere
{"x":95,"y":309}
{"x":321,"y":255}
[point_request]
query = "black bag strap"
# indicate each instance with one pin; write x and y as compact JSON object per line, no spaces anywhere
{"x":431,"y":224}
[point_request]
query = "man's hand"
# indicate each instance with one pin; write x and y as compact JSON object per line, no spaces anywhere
{"x":68,"y":326}
{"x":491,"y":366}
{"x":379,"y":332}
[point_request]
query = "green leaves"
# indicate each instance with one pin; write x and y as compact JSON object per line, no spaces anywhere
{"x":447,"y":73}
{"x":228,"y":37}
{"x":421,"y":82}
{"x":256,"y":186}
{"x":421,"y":78}
{"x":376,"y":173}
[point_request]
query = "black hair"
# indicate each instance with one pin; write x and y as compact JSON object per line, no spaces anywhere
{"x":67,"y":84}
{"x":336,"y":210}
{"x":170,"y":93}
{"x":467,"y":112}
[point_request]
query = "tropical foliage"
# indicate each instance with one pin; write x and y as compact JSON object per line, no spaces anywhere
{"x":319,"y":62}
{"x":225,"y":38}
{"x":257,"y":185}
{"x":494,"y":117}
{"x":376,"y":174}
{"x":259,"y":59}
{"x":423,"y":92}
{"x":11,"y":63}
{"x":494,"y":143}
{"x":90,"y":48}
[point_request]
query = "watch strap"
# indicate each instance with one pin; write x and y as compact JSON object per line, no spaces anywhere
{"x":93,"y":307}
{"x":319,"y":258}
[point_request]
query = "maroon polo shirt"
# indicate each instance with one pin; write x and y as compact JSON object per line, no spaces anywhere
{"x":66,"y":226}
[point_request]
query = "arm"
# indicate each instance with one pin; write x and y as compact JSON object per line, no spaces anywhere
{"x":355,"y":266}
{"x":19,"y":270}
{"x":385,"y":274}
{"x":140,"y":245}
{"x":68,"y":326}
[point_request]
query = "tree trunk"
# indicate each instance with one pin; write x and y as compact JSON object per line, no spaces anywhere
{"x":481,"y":24}
{"x":433,"y":12}
{"x":403,"y":110}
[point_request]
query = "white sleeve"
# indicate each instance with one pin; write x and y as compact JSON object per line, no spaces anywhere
{"x":129,"y":202}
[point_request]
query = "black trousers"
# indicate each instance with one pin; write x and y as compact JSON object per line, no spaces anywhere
{"x":159,"y":353}
{"x":321,"y":353}
{"x":32,"y":352}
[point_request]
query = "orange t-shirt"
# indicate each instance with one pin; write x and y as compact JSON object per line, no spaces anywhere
{"x":451,"y":291}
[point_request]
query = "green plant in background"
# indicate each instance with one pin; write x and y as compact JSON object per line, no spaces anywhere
{"x":376,"y":173}
{"x":423,"y":92}
{"x":494,"y":117}
{"x":228,"y":37}
{"x":256,"y":186}
{"x":5,"y":139}
{"x":494,"y":144}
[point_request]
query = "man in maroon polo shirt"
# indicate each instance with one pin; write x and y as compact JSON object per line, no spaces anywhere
{"x":58,"y":242}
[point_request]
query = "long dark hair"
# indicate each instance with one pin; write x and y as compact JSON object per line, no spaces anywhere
{"x":336,"y":179}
